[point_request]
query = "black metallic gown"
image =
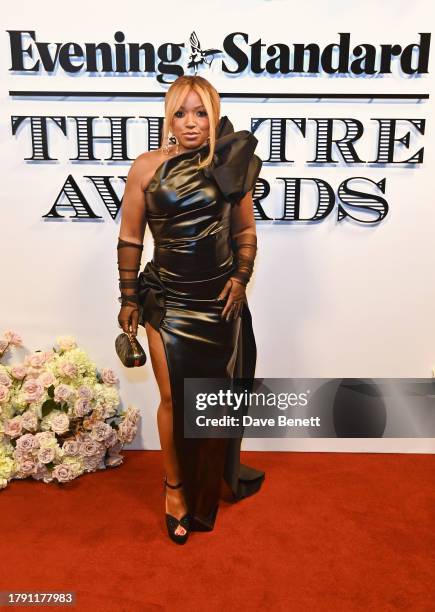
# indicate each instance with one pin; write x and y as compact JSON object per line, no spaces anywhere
{"x":188,"y":212}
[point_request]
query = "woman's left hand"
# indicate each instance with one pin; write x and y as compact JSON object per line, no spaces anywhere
{"x":236,"y":293}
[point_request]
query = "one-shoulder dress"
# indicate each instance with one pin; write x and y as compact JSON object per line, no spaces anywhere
{"x":188,"y":212}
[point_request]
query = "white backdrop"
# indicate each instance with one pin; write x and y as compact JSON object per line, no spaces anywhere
{"x":327,"y":299}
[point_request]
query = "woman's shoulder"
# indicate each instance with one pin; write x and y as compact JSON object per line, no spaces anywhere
{"x":150,"y":157}
{"x":146,"y":164}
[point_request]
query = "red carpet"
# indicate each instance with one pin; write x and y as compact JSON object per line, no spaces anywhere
{"x":326,"y":532}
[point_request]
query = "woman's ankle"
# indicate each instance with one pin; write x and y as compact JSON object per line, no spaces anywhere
{"x":175,"y":499}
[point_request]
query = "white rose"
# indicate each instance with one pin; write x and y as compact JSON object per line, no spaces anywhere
{"x":66,"y":342}
{"x":46,"y":455}
{"x":59,"y":423}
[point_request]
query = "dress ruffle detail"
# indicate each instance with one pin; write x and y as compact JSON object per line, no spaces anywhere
{"x":151,"y":292}
{"x":235,"y":167}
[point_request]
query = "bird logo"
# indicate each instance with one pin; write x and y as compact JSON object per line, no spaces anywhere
{"x":199,"y":56}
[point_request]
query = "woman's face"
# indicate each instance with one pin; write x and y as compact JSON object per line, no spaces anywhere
{"x":190,"y":123}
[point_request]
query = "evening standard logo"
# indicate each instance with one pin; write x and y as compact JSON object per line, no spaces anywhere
{"x":238,"y":54}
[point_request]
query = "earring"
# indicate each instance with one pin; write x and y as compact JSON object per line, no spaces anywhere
{"x":171,"y":140}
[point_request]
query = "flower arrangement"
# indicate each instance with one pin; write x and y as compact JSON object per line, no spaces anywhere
{"x":59,"y":416}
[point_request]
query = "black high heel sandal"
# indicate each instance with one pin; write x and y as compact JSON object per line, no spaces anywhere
{"x":172,"y":522}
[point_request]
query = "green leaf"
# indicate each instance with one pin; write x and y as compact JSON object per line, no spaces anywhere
{"x":50,"y":390}
{"x":48,"y":406}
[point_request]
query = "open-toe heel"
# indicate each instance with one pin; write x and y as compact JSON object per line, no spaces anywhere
{"x":172,"y":523}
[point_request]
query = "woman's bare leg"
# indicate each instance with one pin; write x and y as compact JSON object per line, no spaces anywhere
{"x":175,"y":503}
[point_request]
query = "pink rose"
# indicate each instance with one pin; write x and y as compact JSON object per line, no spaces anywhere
{"x":126,"y":432}
{"x":19,"y":371}
{"x":100,"y":431}
{"x":46,"y":455}
{"x":26,"y":466}
{"x":29,"y":420}
{"x":27,"y":443}
{"x":59,"y":423}
{"x":132,"y":415}
{"x":4,"y":394}
{"x":36,"y":360}
{"x":13,"y":338}
{"x":89,"y":447}
{"x":33,"y":390}
{"x":63,"y":472}
{"x":5,"y":379}
{"x":92,"y":463}
{"x":46,"y":379}
{"x":70,"y":447}
{"x":85,"y":392}
{"x":111,"y":439}
{"x":62,"y":393}
{"x":82,"y":407}
{"x":3,"y":345}
{"x":68,"y":369}
{"x":20,"y":454}
{"x":13,"y":427}
{"x":108,"y":376}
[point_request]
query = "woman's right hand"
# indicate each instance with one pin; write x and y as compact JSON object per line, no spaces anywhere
{"x":128,"y":318}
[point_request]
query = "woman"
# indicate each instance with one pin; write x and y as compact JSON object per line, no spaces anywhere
{"x":196,"y":195}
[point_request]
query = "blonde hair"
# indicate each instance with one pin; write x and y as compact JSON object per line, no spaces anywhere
{"x":209,"y":97}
